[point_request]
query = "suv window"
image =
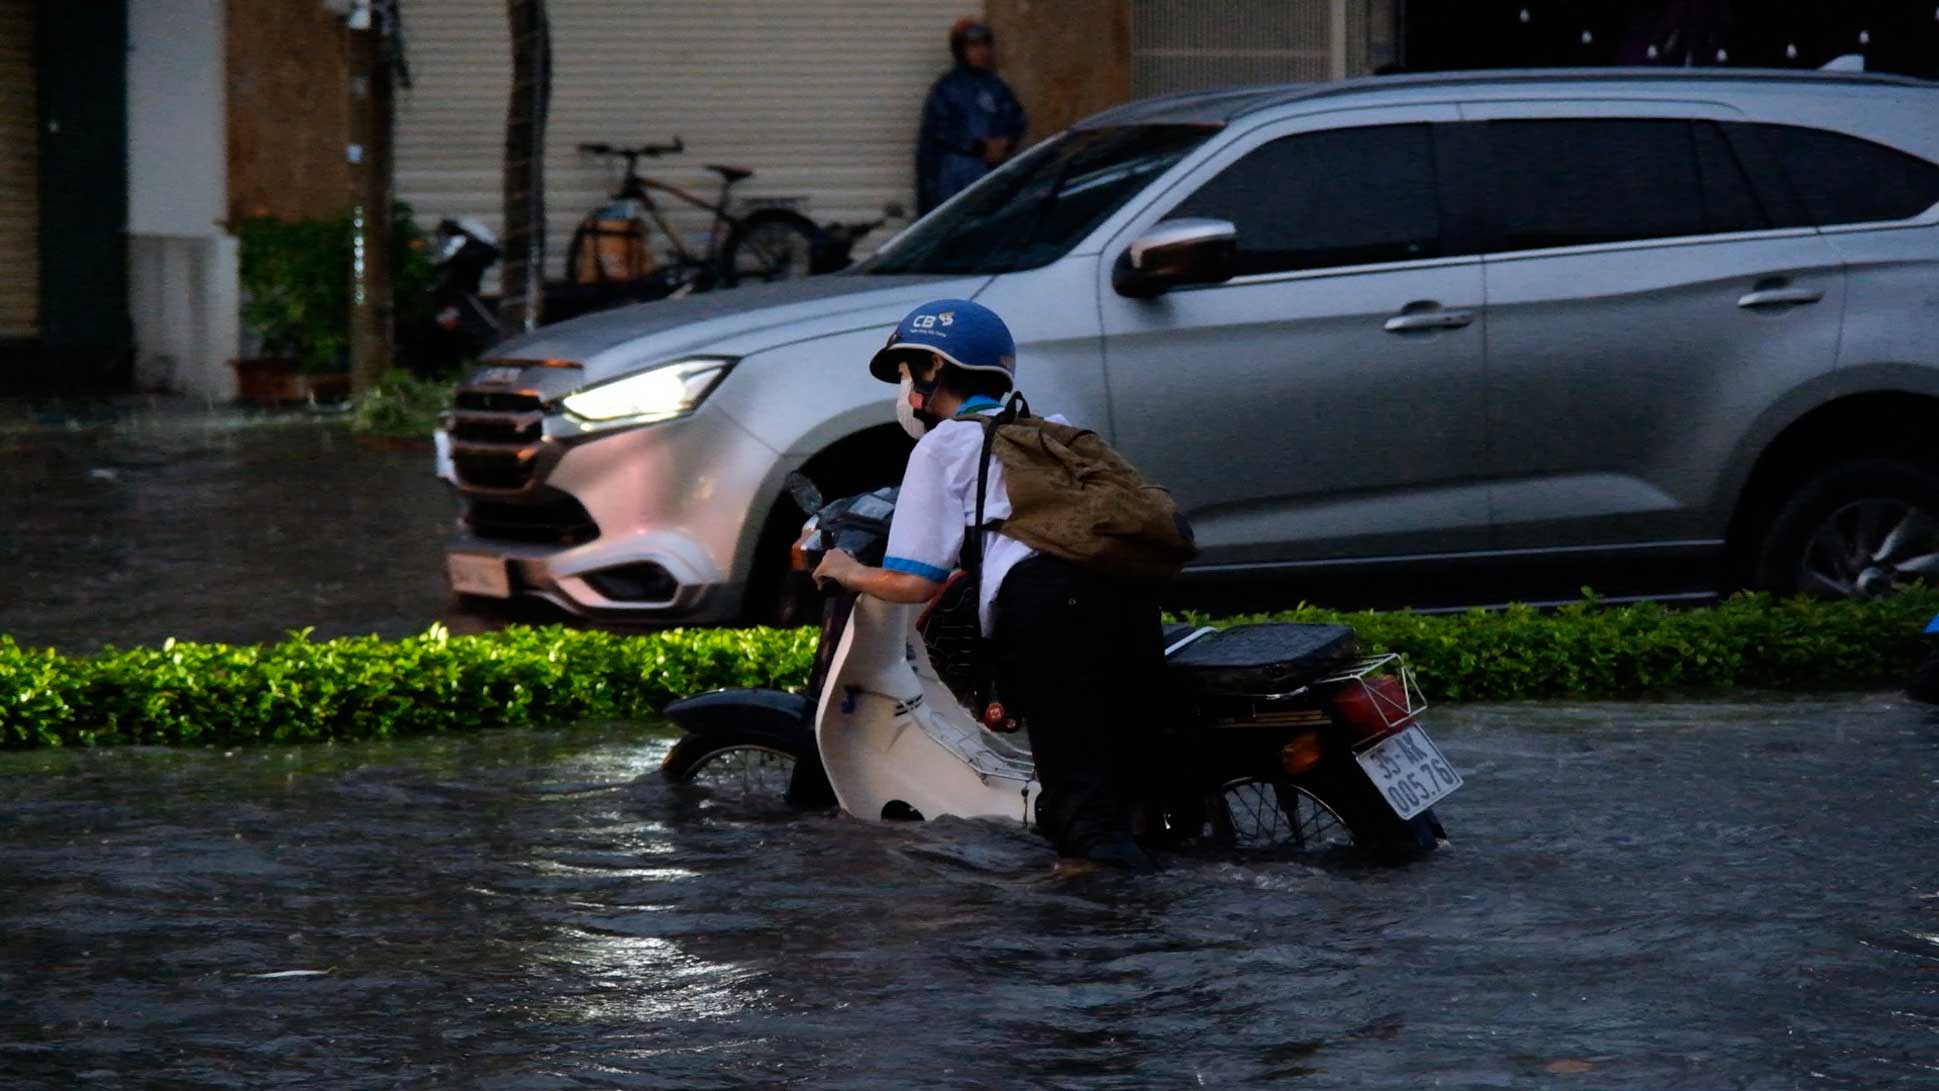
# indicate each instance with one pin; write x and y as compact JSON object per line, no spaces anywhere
{"x":1325,"y":199}
{"x":1843,"y":179}
{"x":1579,"y":182}
{"x":1033,"y":210}
{"x":1729,"y":202}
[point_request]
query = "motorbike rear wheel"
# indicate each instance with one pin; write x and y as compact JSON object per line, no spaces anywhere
{"x":1334,"y":809}
{"x":1272,"y":814}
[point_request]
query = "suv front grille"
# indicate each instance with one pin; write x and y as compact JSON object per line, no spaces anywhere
{"x":495,"y":438}
{"x":551,"y":517}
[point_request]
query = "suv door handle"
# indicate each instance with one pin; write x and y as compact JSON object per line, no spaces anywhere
{"x":1780,"y":297}
{"x":1428,"y":320}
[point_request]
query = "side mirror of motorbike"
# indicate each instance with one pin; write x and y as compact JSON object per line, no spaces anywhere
{"x":804,"y":493}
{"x":1174,"y":254}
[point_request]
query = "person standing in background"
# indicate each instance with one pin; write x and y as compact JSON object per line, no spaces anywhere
{"x":971,"y":121}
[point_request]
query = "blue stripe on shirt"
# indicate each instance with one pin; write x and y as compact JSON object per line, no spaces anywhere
{"x":977,"y":404}
{"x":916,"y":568}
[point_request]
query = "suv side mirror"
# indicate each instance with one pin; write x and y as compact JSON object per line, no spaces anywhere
{"x":1176,"y":253}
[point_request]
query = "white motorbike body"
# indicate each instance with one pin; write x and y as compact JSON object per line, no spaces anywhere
{"x":892,"y":735}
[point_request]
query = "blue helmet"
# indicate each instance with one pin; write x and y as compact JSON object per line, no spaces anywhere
{"x":966,"y":334}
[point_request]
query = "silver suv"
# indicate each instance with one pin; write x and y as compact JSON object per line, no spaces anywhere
{"x":1403,"y":340}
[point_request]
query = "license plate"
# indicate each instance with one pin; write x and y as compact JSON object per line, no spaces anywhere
{"x":1410,"y":771}
{"x":472,"y":574}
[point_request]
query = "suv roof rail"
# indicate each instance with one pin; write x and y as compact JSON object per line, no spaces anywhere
{"x":1419,"y":80}
{"x":1218,"y":106}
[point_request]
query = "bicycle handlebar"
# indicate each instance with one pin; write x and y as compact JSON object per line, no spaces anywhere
{"x":650,"y":151}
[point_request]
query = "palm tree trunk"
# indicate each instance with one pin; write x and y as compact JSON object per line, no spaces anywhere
{"x":522,"y":295}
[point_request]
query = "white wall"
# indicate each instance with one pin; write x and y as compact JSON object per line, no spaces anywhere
{"x":182,"y":261}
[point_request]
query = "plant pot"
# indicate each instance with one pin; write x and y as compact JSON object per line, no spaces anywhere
{"x":273,"y":381}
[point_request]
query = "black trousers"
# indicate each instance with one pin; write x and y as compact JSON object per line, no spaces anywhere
{"x":1079,"y":657}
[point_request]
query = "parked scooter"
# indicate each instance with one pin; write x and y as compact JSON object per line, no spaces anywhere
{"x":1278,"y":736}
{"x":835,"y":241}
{"x":463,"y":325}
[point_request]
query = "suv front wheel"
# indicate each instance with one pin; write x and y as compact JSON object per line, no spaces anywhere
{"x":1857,"y":529}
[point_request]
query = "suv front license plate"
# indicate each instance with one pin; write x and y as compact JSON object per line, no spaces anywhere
{"x":472,"y":574}
{"x":1410,"y":772}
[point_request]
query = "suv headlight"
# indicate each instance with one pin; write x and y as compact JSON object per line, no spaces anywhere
{"x":659,"y":393}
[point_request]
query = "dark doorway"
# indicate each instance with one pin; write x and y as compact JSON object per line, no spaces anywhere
{"x":85,"y":334}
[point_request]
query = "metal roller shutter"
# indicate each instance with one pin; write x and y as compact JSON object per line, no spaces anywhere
{"x":1191,"y":45}
{"x":820,"y":98}
{"x":19,"y":174}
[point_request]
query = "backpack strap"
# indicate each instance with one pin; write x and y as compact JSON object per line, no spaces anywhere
{"x":973,"y":541}
{"x":982,"y":671}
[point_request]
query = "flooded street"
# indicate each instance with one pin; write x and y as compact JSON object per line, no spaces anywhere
{"x":1705,"y":895}
{"x":1714,"y":895}
{"x":169,"y":520}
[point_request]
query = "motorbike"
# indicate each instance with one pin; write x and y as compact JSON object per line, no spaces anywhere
{"x":1274,"y":736}
{"x":462,"y":323}
{"x":835,"y":241}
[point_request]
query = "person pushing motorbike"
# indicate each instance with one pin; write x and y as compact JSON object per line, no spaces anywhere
{"x":1074,"y":646}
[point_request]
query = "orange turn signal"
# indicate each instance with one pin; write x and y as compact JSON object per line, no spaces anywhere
{"x":1302,"y":754}
{"x":797,"y":558}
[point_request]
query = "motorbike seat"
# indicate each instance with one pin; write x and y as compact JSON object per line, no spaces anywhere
{"x":730,"y":174}
{"x":1260,"y":659}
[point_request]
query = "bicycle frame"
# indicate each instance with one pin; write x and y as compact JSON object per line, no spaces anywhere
{"x":638,"y":187}
{"x":715,"y":232}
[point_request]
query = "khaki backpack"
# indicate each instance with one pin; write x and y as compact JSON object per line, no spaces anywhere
{"x":1072,"y":496}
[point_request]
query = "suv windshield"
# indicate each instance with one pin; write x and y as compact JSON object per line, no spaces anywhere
{"x":1033,"y":211}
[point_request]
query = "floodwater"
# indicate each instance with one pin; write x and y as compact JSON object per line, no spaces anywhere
{"x":1718,"y":895}
{"x":1714,"y":895}
{"x":139,"y":521}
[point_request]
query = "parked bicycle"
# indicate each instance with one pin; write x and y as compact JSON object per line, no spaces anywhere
{"x":611,"y":244}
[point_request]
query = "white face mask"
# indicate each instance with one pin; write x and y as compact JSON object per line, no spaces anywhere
{"x":905,"y":414}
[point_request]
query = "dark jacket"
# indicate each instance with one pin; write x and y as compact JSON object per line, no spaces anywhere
{"x":964,"y":107}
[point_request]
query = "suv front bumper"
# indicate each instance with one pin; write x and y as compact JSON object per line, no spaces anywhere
{"x":641,"y":524}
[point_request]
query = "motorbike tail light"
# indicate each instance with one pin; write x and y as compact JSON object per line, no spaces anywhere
{"x":998,"y":719}
{"x":1375,"y":707}
{"x":1302,"y":754}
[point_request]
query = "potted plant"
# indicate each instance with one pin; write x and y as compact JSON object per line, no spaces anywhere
{"x":296,"y":303}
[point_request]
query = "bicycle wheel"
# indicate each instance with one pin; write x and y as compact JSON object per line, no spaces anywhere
{"x":773,"y":244}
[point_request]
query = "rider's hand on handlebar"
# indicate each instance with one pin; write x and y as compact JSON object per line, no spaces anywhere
{"x":837,"y":567}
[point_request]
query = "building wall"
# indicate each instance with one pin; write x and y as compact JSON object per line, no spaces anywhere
{"x":820,"y":98}
{"x":181,"y":260}
{"x":1066,"y":59}
{"x":289,"y":108}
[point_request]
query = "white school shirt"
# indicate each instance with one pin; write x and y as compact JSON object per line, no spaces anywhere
{"x":937,"y":503}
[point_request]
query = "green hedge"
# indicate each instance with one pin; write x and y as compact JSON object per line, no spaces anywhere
{"x":1588,"y":649}
{"x":361,"y":687}
{"x":303,"y":690}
